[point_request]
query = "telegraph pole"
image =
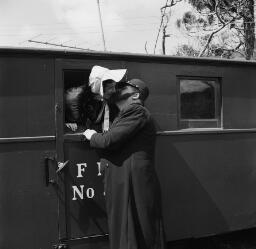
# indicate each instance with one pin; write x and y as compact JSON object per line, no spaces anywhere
{"x":101,"y":26}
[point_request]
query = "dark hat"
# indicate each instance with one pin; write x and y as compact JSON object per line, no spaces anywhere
{"x":141,"y":86}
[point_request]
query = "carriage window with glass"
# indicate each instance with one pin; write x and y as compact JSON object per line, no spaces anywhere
{"x":199,"y":102}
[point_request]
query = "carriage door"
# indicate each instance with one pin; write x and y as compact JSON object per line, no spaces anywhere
{"x":80,"y":182}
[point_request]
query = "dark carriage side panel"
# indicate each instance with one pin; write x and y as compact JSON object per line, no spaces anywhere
{"x":239,"y":96}
{"x":87,"y":216}
{"x":208,"y":183}
{"x":28,"y":209}
{"x":26,"y":96}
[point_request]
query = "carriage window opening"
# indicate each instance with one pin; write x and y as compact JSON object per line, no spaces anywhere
{"x":199,"y":103}
{"x":75,"y":84}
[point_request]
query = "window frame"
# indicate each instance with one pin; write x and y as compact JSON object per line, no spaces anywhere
{"x":201,"y":123}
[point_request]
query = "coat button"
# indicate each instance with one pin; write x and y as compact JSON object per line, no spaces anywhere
{"x":107,"y":165}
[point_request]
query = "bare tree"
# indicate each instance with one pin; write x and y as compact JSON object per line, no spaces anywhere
{"x":164,"y":22}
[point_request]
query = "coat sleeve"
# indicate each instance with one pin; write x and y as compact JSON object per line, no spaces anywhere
{"x":128,"y":124}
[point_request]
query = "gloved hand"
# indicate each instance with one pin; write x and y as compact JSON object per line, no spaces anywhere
{"x":88,"y":133}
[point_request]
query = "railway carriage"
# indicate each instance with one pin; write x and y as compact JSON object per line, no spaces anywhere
{"x":51,"y":181}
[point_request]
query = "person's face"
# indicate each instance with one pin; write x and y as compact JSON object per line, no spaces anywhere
{"x":125,"y":92}
{"x":108,"y":89}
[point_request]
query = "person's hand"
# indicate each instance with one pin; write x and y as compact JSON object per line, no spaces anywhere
{"x":88,"y":133}
{"x":72,"y":126}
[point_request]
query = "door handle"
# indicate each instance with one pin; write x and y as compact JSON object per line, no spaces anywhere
{"x":47,"y":171}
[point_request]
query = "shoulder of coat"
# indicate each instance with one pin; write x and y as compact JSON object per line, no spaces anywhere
{"x":137,"y":108}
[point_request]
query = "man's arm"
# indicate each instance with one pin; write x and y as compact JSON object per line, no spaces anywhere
{"x":129,"y":123}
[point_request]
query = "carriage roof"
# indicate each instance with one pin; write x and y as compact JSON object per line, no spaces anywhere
{"x":83,"y":54}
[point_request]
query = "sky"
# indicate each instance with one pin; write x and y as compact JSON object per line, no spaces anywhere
{"x":129,"y":25}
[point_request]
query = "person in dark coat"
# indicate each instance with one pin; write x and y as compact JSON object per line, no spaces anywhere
{"x":132,"y":189}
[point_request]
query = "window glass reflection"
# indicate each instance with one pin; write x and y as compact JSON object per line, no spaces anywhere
{"x":197,"y":99}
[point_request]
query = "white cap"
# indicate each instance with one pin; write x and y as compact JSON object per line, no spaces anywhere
{"x":99,"y":74}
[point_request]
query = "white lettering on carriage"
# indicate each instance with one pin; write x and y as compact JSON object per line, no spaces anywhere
{"x":81,"y":168}
{"x":99,"y":169}
{"x":79,"y":192}
{"x":90,"y":193}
